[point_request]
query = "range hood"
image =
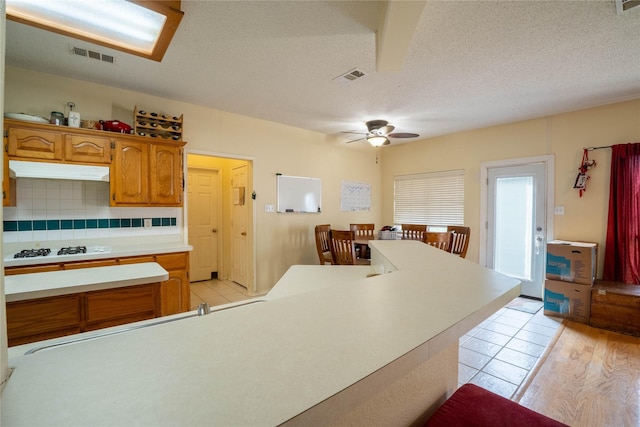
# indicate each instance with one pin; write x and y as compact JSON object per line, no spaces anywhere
{"x":20,"y":169}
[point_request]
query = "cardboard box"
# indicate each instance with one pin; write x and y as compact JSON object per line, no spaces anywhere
{"x":572,"y":261}
{"x":567,"y":300}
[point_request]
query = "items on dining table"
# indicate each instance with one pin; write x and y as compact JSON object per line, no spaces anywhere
{"x":388,"y":232}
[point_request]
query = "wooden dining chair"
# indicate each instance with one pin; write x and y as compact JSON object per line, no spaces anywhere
{"x":343,"y":250}
{"x":363,"y":232}
{"x":414,"y":232}
{"x":322,"y":243}
{"x":459,"y":239}
{"x":439,"y":239}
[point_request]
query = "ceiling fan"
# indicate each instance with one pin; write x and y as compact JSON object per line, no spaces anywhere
{"x":379,"y":132}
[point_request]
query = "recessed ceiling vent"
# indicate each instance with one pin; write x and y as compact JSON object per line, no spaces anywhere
{"x":350,"y":76}
{"x":91,"y":54}
{"x":624,"y":6}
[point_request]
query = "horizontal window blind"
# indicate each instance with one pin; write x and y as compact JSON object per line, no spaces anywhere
{"x":435,"y":198}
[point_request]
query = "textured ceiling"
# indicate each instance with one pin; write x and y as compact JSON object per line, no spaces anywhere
{"x":470,"y":64}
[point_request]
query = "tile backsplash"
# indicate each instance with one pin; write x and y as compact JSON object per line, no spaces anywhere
{"x":49,"y":209}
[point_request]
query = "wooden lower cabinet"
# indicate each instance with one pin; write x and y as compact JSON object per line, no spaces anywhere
{"x":44,"y":318}
{"x":114,"y":307}
{"x":175,"y":293}
{"x":52,"y":317}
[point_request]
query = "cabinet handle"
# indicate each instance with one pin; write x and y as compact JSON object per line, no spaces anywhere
{"x":215,"y":230}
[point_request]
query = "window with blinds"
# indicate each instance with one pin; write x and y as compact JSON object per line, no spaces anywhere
{"x":434,"y":199}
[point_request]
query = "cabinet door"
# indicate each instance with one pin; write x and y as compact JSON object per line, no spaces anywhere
{"x":112,"y":307}
{"x":34,"y":320}
{"x":175,"y":293}
{"x":34,"y":144}
{"x":129,"y":173}
{"x":87,"y":149}
{"x":8,"y":183}
{"x":166,"y":175}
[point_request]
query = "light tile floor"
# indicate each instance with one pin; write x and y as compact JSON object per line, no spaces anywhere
{"x":216,"y":292}
{"x":497,"y":355}
{"x":500,"y":353}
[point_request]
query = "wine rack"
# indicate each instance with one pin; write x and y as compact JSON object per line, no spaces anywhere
{"x":156,"y":125}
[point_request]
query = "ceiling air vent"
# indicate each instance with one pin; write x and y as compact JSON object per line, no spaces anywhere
{"x":624,"y":6}
{"x":92,"y":54}
{"x":350,"y":76}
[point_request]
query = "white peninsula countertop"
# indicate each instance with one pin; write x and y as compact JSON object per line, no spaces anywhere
{"x":267,"y":363}
{"x":52,"y":283}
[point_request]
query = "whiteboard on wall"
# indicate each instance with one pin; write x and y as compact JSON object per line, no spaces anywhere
{"x":298,"y":194}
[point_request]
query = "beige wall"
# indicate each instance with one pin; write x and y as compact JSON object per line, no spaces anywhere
{"x":281,"y":240}
{"x":562,"y":135}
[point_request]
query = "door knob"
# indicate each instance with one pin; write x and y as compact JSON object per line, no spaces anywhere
{"x":244,"y":233}
{"x":215,"y":230}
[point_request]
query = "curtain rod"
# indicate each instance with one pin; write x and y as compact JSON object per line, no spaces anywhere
{"x":597,"y":148}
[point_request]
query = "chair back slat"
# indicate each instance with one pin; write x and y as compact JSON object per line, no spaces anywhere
{"x":459,"y":239}
{"x":342,"y":247}
{"x":322,"y":243}
{"x":439,"y":239}
{"x":414,"y":232}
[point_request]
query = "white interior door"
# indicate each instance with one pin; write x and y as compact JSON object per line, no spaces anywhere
{"x":203,"y":192}
{"x":517,"y":224}
{"x":239,"y":226}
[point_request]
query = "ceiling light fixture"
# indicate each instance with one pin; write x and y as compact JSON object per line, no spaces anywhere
{"x":377,"y":141}
{"x":142,"y":28}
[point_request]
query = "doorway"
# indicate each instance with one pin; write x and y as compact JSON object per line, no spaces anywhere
{"x":216,"y":212}
{"x":517,"y":217}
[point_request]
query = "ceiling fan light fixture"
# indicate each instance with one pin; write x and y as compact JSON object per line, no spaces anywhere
{"x":377,"y":141}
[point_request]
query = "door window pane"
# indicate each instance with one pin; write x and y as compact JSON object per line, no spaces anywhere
{"x":513,"y":226}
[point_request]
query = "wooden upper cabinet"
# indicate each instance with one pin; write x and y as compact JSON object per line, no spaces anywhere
{"x":166,"y":174}
{"x":129,"y":173}
{"x":87,"y":149}
{"x":8,"y":183}
{"x":146,"y":174}
{"x":28,"y":143}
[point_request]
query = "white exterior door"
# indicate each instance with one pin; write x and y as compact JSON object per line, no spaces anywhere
{"x":239,"y":227}
{"x":203,"y":192}
{"x":516,"y":227}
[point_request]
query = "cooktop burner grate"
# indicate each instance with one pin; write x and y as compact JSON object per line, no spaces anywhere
{"x":72,"y":250}
{"x":31,"y":253}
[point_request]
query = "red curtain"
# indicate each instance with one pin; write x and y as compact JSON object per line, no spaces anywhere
{"x":622,"y":254}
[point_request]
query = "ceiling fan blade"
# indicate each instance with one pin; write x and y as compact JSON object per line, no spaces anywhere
{"x":387,"y":142}
{"x":355,"y":140}
{"x":403,"y":135}
{"x":355,"y":133}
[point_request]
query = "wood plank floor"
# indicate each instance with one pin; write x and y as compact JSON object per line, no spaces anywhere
{"x":590,"y":377}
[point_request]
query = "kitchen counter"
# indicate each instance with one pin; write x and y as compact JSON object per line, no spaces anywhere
{"x":39,"y":285}
{"x":301,"y":357}
{"x":118,"y":249}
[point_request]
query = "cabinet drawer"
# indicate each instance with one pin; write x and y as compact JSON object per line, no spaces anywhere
{"x":89,"y":264}
{"x":44,"y":317}
{"x":34,"y":144}
{"x":10,"y":271}
{"x":137,"y":259}
{"x":172,"y":261}
{"x":87,"y":149}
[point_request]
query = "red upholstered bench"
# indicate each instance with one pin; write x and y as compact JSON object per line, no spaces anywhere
{"x":473,"y":406}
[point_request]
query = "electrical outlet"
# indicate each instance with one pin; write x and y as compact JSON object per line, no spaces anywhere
{"x":559,"y":210}
{"x":147,"y":223}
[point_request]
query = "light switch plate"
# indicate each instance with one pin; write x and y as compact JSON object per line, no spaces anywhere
{"x":559,"y":210}
{"x":147,"y":223}
{"x":269,"y":208}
